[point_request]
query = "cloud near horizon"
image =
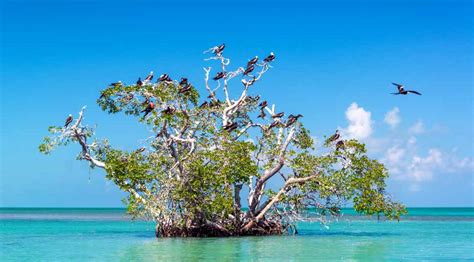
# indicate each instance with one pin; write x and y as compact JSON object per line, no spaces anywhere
{"x":401,"y":154}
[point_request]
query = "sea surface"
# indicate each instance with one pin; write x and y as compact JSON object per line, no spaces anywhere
{"x":426,"y":234}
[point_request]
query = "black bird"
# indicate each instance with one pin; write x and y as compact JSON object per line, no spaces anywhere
{"x":230,"y":127}
{"x":402,"y":91}
{"x":292,"y":119}
{"x":219,"y":76}
{"x":203,"y":105}
{"x":335,"y":137}
{"x":164,"y":78}
{"x":269,"y":58}
{"x":218,"y":49}
{"x":340,"y":145}
{"x":169,"y":110}
{"x":249,"y":82}
{"x":148,"y":109}
{"x":149,"y":77}
{"x":274,"y":124}
{"x":249,"y":70}
{"x":183,"y":82}
{"x":279,"y":115}
{"x":263,"y":104}
{"x":262,"y":114}
{"x":68,"y":121}
{"x":116,"y":84}
{"x":185,"y":89}
{"x":140,"y":150}
{"x":252,"y":61}
{"x":139,"y":82}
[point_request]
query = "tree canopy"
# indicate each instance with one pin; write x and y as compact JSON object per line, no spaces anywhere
{"x":206,"y":153}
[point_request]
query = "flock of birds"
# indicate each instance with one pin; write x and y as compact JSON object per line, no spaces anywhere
{"x":185,"y":87}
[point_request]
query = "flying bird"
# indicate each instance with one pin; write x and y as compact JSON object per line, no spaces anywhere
{"x":218,"y":49}
{"x":279,"y":115}
{"x":335,"y":137}
{"x":263,"y":104}
{"x":68,"y":121}
{"x":252,"y":61}
{"x":249,"y":70}
{"x":149,"y":77}
{"x":402,"y":91}
{"x":148,"y":109}
{"x":269,"y":58}
{"x":139,"y":82}
{"x":219,"y":76}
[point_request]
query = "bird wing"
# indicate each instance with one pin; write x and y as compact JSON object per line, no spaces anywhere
{"x":414,"y":92}
{"x":395,"y":93}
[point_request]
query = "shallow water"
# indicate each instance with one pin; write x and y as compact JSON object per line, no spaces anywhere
{"x":107,"y":234}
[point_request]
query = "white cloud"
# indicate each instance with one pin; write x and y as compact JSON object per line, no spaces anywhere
{"x":422,"y":168}
{"x":417,"y":128}
{"x":392,"y":117}
{"x":360,"y":122}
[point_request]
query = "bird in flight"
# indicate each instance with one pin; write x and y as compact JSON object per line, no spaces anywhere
{"x":68,"y":121}
{"x":402,"y":91}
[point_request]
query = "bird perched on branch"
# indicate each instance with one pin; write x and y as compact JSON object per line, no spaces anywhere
{"x":116,"y":84}
{"x":340,"y":145}
{"x":274,"y":124}
{"x":139,"y":82}
{"x":165,"y":78}
{"x":231,"y":127}
{"x":148,"y":109}
{"x":249,"y":70}
{"x":140,"y":150}
{"x":335,"y":137}
{"x":402,"y":91}
{"x":149,"y":77}
{"x":292,"y":119}
{"x":68,"y":121}
{"x":185,"y":89}
{"x":279,"y":115}
{"x":262,"y":114}
{"x":249,"y":82}
{"x":218,"y":49}
{"x":183,"y":82}
{"x":203,"y":105}
{"x":269,"y":58}
{"x":219,"y":75}
{"x":169,"y":110}
{"x":252,"y":61}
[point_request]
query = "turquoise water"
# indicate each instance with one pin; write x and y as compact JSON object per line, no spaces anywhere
{"x":107,"y":234}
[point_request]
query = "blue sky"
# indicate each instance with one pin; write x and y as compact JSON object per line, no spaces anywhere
{"x":335,"y":62}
